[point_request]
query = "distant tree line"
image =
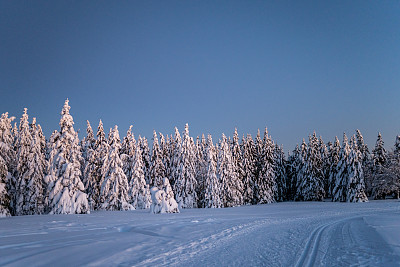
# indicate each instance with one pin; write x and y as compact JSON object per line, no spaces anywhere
{"x":66,"y":175}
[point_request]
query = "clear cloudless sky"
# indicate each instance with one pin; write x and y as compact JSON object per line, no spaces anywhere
{"x":293,"y":66}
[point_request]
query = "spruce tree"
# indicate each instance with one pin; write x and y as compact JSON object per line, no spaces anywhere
{"x":169,"y":159}
{"x":339,"y":191}
{"x":7,"y":153}
{"x":185,"y":175}
{"x":311,"y":186}
{"x":258,"y":159}
{"x":379,"y":161}
{"x":37,"y":170}
{"x":139,"y":192}
{"x":355,"y":184}
{"x":157,"y":168}
{"x":267,"y":180}
{"x":363,"y":148}
{"x":4,"y":172}
{"x":144,"y":147}
{"x":301,"y":165}
{"x":201,"y":170}
{"x":114,"y":187}
{"x":165,"y":153}
{"x":293,"y":163}
{"x":325,"y":164}
{"x":87,"y":144}
{"x":231,"y":186}
{"x":4,"y":196}
{"x":379,"y":153}
{"x":14,"y":133}
{"x":237,"y":158}
{"x":392,"y":172}
{"x":249,"y":169}
{"x":349,"y":185}
{"x":367,"y":163}
{"x":163,"y":199}
{"x":334,"y":158}
{"x":128,"y":152}
{"x":397,"y":147}
{"x":101,"y":149}
{"x":212,"y":195}
{"x":280,"y":174}
{"x":66,"y":190}
{"x":23,"y":143}
{"x":30,"y":170}
{"x":170,"y":205}
{"x":175,"y":152}
{"x":90,"y":179}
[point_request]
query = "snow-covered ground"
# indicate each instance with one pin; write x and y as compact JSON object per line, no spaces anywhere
{"x":281,"y":234}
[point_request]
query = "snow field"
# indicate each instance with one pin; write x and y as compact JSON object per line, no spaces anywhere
{"x":280,"y":234}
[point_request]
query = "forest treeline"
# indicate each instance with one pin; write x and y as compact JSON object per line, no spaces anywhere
{"x":63,"y":174}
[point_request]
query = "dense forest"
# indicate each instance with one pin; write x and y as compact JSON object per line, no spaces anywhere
{"x":63,"y":174}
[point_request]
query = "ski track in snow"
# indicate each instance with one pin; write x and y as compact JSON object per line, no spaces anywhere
{"x":282,"y":234}
{"x":182,"y":253}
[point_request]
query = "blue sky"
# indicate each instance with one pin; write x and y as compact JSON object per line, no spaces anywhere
{"x":293,"y":66}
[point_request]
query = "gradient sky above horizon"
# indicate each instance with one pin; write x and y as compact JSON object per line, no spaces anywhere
{"x":293,"y":66}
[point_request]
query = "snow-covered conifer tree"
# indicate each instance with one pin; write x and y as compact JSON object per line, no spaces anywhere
{"x":259,"y":162}
{"x":42,"y":139}
{"x":94,"y":171}
{"x":165,"y":156}
{"x":300,"y":166}
{"x":387,"y":183}
{"x":114,"y":187}
{"x":325,"y":164}
{"x":231,"y":186}
{"x":266,"y":183}
{"x":379,"y":153}
{"x":23,"y":143}
{"x":237,"y":158}
{"x":90,"y":174}
{"x":30,"y":170}
{"x":280,"y":174}
{"x":397,"y":146}
{"x":363,"y":148}
{"x":349,"y":186}
{"x":212,"y":195}
{"x":144,"y":147}
{"x":139,"y":193}
{"x":355,"y":184}
{"x":367,"y":163}
{"x":50,"y":153}
{"x":163,"y":199}
{"x":311,"y":186}
{"x":175,"y":152}
{"x":87,"y":145}
{"x":65,"y":188}
{"x":334,"y":158}
{"x":170,"y":206}
{"x":128,"y":152}
{"x":376,"y":179}
{"x":249,"y":168}
{"x":169,"y":158}
{"x":157,"y":168}
{"x":201,"y":170}
{"x":185,"y":175}
{"x":4,"y":196}
{"x":293,"y":163}
{"x":38,"y":169}
{"x":14,"y":133}
{"x":7,"y":153}
{"x":339,"y":191}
